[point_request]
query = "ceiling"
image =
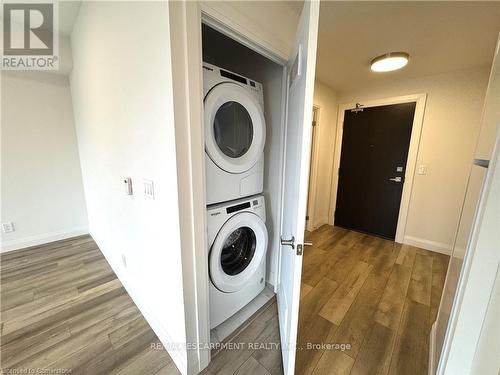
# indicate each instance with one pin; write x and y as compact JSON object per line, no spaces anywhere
{"x":439,"y":36}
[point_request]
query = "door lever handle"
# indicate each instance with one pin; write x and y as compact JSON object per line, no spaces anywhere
{"x":290,"y":242}
{"x":395,"y":179}
{"x":308,"y":244}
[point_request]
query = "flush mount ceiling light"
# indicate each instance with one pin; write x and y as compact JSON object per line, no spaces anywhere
{"x":389,"y":62}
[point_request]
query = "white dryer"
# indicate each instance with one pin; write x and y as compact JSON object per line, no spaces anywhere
{"x":237,"y":242}
{"x":235,"y":135}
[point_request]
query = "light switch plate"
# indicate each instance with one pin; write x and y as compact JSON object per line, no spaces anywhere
{"x":8,"y":227}
{"x":422,"y":169}
{"x":149,"y":189}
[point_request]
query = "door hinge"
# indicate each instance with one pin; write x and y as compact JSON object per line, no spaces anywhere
{"x":299,"y":249}
{"x":314,"y":123}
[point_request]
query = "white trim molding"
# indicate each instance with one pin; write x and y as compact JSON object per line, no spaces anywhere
{"x":437,"y":247}
{"x":42,"y":238}
{"x":313,"y":172}
{"x":418,"y":119}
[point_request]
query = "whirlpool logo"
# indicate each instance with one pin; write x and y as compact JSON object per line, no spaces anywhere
{"x":30,"y":40}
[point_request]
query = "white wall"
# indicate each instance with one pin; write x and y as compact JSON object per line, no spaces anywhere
{"x":271,"y":24}
{"x":123,"y":101}
{"x":449,"y":134}
{"x":487,"y":356}
{"x":321,"y":173}
{"x":42,"y":189}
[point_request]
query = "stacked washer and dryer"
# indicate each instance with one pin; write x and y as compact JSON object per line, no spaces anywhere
{"x":235,"y":135}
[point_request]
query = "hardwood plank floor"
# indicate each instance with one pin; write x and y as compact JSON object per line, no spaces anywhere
{"x":62,"y":307}
{"x":381,"y":306}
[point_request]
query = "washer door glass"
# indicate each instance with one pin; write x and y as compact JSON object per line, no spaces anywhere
{"x":238,"y":250}
{"x":233,"y":129}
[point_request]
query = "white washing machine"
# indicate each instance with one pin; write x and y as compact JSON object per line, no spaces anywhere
{"x":235,"y":135}
{"x":237,"y":242}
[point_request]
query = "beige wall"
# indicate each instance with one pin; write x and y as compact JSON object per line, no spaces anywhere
{"x":322,"y":155}
{"x":42,"y":192}
{"x":449,"y":134}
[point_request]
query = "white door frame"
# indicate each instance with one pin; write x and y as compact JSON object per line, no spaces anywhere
{"x":186,"y":54}
{"x":416,"y":132}
{"x":313,"y":173}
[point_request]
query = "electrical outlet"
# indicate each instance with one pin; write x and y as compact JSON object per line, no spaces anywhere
{"x":124,"y":261}
{"x":8,"y":227}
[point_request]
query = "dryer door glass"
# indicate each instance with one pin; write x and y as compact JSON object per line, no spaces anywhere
{"x":238,"y":250}
{"x":233,"y":129}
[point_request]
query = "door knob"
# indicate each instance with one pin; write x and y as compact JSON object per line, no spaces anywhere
{"x":395,"y":179}
{"x":290,"y":242}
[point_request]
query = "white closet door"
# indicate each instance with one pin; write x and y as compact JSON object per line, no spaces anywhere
{"x":301,"y":70}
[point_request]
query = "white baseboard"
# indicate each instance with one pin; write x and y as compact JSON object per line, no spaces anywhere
{"x":320,"y":222}
{"x":168,"y":343}
{"x":41,"y":239}
{"x":438,"y":247}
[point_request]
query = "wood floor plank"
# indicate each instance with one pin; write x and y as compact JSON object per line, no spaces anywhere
{"x":30,"y":346}
{"x":411,"y":350}
{"x":375,"y":354}
{"x":420,"y":286}
{"x":228,"y":361}
{"x":113,"y":358}
{"x":314,"y":301}
{"x":35,"y":322}
{"x":439,"y":267}
{"x":314,"y":265}
{"x":252,"y":367}
{"x":339,"y":303}
{"x":356,"y":324}
{"x":304,"y":290}
{"x":269,"y":355}
{"x":147,"y":362}
{"x":13,"y":299}
{"x":349,"y":258}
{"x":64,"y":308}
{"x":391,"y":305}
{"x":373,"y":321}
{"x":312,"y":332}
{"x":334,"y":362}
{"x":171,"y":369}
{"x":406,"y":255}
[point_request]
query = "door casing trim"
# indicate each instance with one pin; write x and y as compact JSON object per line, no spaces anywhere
{"x":311,"y":224}
{"x":416,"y":133}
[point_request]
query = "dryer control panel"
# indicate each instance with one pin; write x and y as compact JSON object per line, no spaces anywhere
{"x":251,"y":204}
{"x":217,"y":72}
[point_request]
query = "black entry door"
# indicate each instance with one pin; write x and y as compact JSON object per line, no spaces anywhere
{"x":375,"y":146}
